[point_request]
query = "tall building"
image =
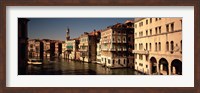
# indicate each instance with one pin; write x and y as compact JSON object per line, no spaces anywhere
{"x":87,"y":46}
{"x":35,"y":48}
{"x":46,"y":43}
{"x":64,"y":55}
{"x":22,"y":45}
{"x":72,"y":48}
{"x":58,"y":48}
{"x":114,"y":45}
{"x":158,"y":45}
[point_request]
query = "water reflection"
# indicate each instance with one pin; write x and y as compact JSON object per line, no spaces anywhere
{"x":65,"y":67}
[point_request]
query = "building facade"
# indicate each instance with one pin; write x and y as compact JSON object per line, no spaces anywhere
{"x":158,"y":45}
{"x":114,"y":47}
{"x":98,"y":59}
{"x":72,"y":48}
{"x":35,"y":48}
{"x":87,"y":46}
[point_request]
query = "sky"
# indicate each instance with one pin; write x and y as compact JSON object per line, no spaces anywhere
{"x":55,"y":28}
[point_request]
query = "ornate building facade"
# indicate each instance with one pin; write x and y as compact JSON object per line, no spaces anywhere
{"x":115,"y":46}
{"x":158,"y":45}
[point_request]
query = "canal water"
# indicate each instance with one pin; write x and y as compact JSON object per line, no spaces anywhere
{"x":68,"y":67}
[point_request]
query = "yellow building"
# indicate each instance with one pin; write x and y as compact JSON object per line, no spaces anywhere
{"x":158,"y":45}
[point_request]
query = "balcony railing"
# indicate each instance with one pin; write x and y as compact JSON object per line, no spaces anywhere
{"x":140,"y":52}
{"x":83,"y":49}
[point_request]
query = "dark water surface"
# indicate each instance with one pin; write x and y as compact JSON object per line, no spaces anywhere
{"x":65,"y":67}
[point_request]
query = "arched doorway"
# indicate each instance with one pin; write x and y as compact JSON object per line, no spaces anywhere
{"x":163,"y":66}
{"x":153,"y":65}
{"x":176,"y":67}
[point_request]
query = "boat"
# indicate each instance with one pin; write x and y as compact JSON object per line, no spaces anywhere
{"x":34,"y":61}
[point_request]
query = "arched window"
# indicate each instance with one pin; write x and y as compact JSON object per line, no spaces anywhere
{"x":172,"y":46}
{"x":159,"y":44}
{"x":155,"y":46}
{"x":167,"y":46}
{"x":124,"y":61}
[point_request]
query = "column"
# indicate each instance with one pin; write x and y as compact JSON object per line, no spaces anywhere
{"x":150,"y":68}
{"x":158,"y":70}
{"x":173,"y":70}
{"x":169,"y":69}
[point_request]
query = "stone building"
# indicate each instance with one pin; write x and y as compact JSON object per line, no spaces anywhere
{"x":72,"y":48}
{"x":87,"y":46}
{"x":35,"y":48}
{"x":46,"y":43}
{"x":58,"y":48}
{"x":114,"y":45}
{"x":22,"y":45}
{"x":64,"y":49}
{"x":158,"y":45}
{"x":98,"y":59}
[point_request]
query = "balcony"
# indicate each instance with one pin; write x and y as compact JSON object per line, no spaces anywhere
{"x":146,"y":52}
{"x":104,"y":49}
{"x":83,"y":49}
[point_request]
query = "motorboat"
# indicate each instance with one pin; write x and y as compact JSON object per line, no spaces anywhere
{"x":34,"y":61}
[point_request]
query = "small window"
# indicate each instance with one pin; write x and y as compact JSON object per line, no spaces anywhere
{"x":172,"y":27}
{"x":172,"y":45}
{"x":167,"y":27}
{"x":167,"y":46}
{"x":150,"y":46}
{"x":156,"y":30}
{"x":150,"y":20}
{"x":147,"y":21}
{"x":155,"y":46}
{"x":146,"y":32}
{"x":150,"y":31}
{"x":159,"y":29}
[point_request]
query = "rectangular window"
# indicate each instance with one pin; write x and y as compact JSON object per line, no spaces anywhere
{"x":140,"y":57}
{"x":146,"y":32}
{"x":159,"y":29}
{"x":150,"y":31}
{"x":156,"y":30}
{"x":147,"y":21}
{"x":172,"y":27}
{"x":167,"y":27}
{"x":150,"y":46}
{"x":156,"y":19}
{"x":135,"y":25}
{"x":150,"y":20}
